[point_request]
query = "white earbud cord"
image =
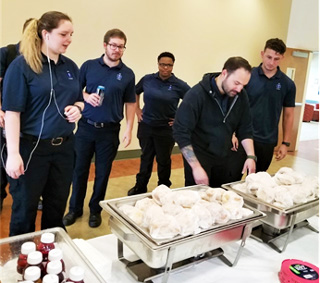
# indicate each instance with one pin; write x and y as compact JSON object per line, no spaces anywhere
{"x":43,"y":114}
{"x":41,"y":129}
{"x":38,"y":140}
{"x":52,"y":94}
{"x":2,"y":149}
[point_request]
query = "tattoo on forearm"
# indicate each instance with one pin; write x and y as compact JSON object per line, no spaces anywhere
{"x":188,"y":154}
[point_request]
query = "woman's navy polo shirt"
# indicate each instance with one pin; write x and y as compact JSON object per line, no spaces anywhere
{"x":119,"y":86}
{"x":267,"y":96}
{"x":27,"y":92}
{"x":161,"y":98}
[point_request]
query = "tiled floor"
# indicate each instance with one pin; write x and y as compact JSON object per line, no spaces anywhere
{"x":309,"y":131}
{"x":306,"y":159}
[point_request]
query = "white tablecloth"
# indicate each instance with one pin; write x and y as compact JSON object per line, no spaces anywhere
{"x":258,"y":262}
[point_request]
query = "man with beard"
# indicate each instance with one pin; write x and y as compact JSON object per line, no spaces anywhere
{"x":98,"y":130}
{"x":208,"y":116}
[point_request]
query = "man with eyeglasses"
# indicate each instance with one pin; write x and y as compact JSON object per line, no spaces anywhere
{"x":98,"y":130}
{"x":208,"y":116}
{"x":162,"y":92}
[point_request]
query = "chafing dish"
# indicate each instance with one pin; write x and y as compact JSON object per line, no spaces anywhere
{"x":160,"y":257}
{"x":278,"y":221}
{"x":10,"y":249}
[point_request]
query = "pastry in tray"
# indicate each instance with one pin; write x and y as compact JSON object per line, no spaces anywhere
{"x":169,"y":213}
{"x":285,"y":189}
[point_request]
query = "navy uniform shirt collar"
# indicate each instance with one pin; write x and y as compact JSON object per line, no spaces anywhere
{"x":276,"y":75}
{"x":101,"y":61}
{"x":171,"y":79}
{"x":61,"y":59}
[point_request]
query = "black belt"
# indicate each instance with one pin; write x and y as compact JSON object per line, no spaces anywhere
{"x":54,"y":141}
{"x":98,"y":124}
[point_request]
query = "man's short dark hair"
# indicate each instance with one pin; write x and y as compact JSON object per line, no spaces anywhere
{"x":276,"y":44}
{"x":166,"y":54}
{"x":114,"y":33}
{"x":235,"y":63}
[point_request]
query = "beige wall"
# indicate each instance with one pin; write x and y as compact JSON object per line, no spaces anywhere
{"x":202,"y":34}
{"x":303,"y":31}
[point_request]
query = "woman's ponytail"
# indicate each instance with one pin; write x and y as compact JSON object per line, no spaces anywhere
{"x":30,"y":46}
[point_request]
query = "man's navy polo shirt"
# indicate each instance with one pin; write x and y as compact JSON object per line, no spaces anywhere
{"x":161,"y":98}
{"x":267,"y":96}
{"x":3,"y":59}
{"x":29,"y":93}
{"x":119,"y":86}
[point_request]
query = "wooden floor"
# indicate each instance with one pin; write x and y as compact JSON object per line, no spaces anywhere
{"x":122,"y":178}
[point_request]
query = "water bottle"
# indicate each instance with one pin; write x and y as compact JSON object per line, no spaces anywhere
{"x":100,"y":92}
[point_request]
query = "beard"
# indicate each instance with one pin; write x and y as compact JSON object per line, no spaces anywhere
{"x":230,"y":93}
{"x":113,"y":57}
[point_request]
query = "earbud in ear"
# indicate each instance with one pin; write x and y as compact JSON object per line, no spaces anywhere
{"x":47,"y":36}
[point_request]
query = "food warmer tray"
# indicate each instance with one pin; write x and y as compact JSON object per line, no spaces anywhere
{"x":10,"y":249}
{"x":278,"y":221}
{"x":162,"y":257}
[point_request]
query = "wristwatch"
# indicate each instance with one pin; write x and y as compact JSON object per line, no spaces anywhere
{"x":252,"y":157}
{"x":287,"y":144}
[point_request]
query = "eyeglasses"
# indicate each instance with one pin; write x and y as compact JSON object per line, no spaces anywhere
{"x":163,"y":65}
{"x":115,"y":46}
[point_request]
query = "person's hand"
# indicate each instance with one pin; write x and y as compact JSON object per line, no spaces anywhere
{"x":171,"y":122}
{"x":126,"y":140}
{"x":282,"y":152}
{"x":235,"y":143}
{"x":249,"y":166}
{"x":2,"y":123}
{"x":14,"y":166}
{"x":200,"y":176}
{"x":72,"y":113}
{"x":139,"y":114}
{"x":93,"y":99}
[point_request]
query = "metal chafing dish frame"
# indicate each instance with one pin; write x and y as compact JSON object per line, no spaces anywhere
{"x":283,"y":220}
{"x":199,"y":247}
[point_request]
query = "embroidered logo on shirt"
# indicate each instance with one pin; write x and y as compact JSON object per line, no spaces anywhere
{"x":170,"y":87}
{"x":119,"y":77}
{"x":69,"y":75}
{"x":278,"y":86}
